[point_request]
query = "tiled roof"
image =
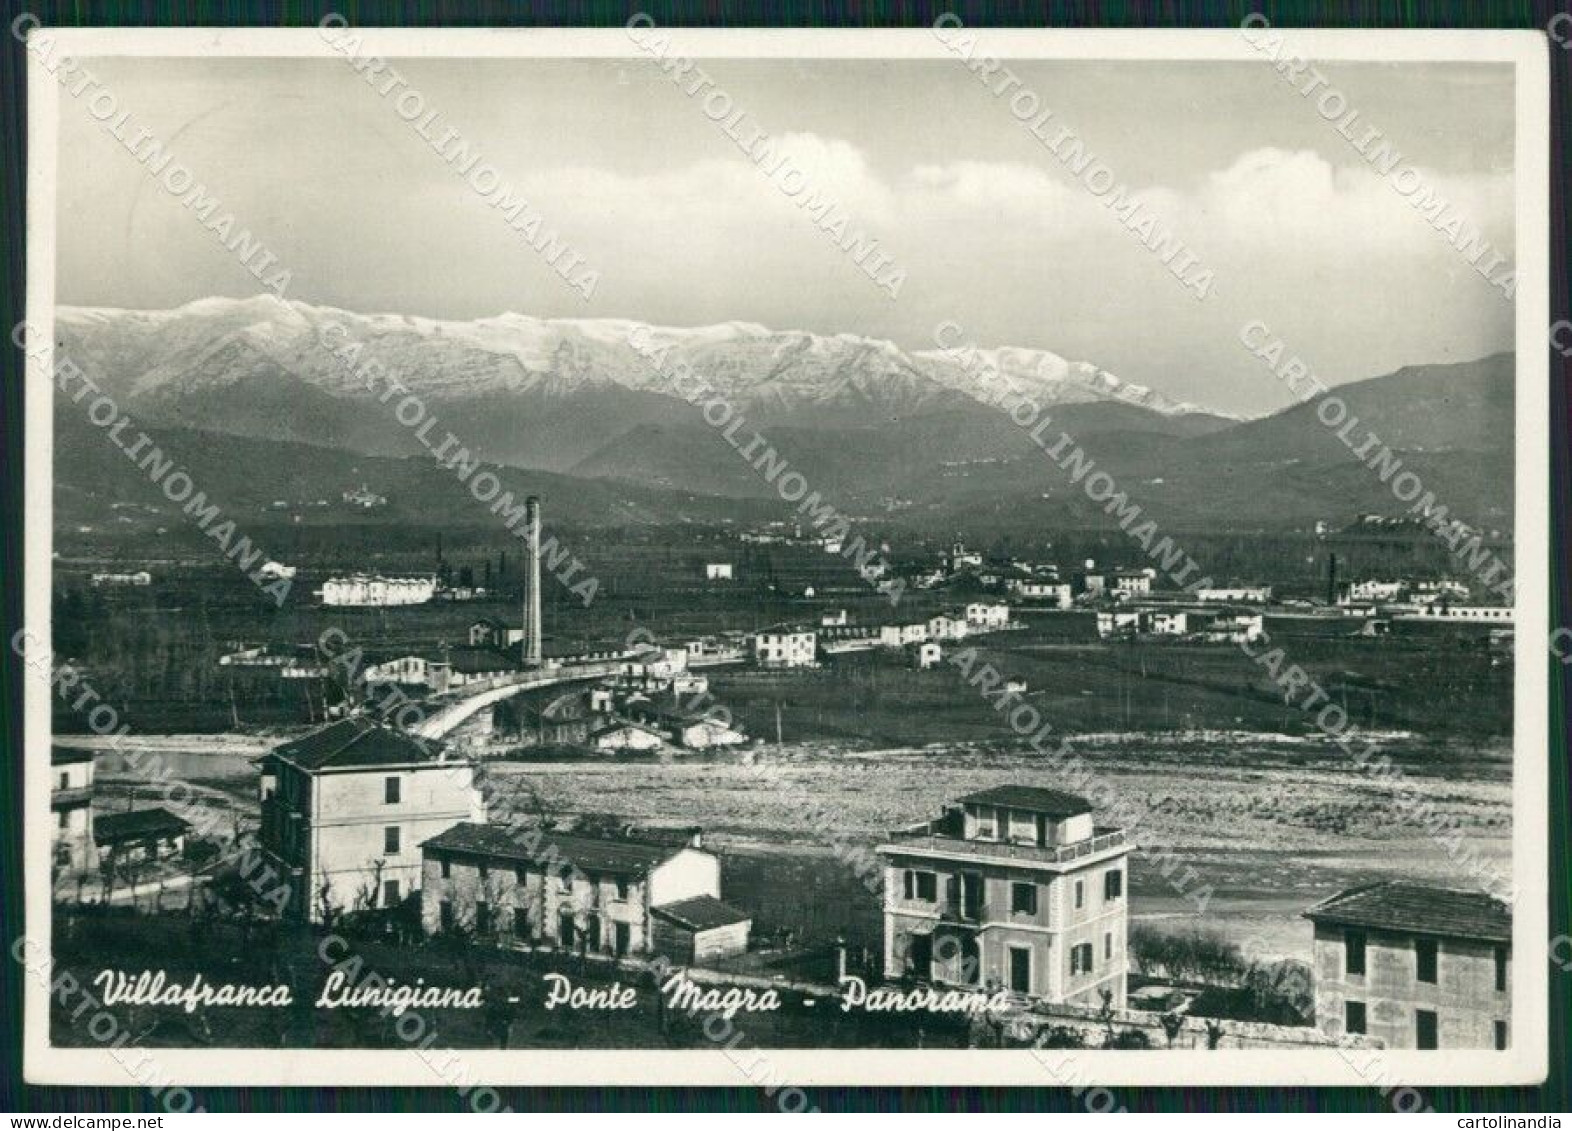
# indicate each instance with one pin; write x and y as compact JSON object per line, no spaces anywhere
{"x":113,"y":828}
{"x":701,"y":913}
{"x":356,"y":742}
{"x":1397,"y":905}
{"x":1053,"y":802}
{"x":594,"y":854}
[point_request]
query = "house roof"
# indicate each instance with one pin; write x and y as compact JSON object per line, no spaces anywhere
{"x":356,"y":742}
{"x":701,"y":913}
{"x":60,"y":756}
{"x":612,"y":855}
{"x":1053,"y":802}
{"x":1398,"y":905}
{"x":115,"y":828}
{"x":470,"y":661}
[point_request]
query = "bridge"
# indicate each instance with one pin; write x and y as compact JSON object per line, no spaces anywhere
{"x":453,"y":711}
{"x":449,"y":712}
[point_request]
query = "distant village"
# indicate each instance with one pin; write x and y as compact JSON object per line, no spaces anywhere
{"x":1012,"y":890}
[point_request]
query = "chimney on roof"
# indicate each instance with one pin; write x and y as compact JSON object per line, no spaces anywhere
{"x":532,"y":584}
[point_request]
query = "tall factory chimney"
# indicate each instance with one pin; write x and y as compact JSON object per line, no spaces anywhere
{"x":1331,"y":579}
{"x":532,"y":584}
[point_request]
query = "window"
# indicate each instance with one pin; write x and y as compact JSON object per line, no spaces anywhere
{"x":565,"y":880}
{"x":987,"y":828}
{"x":518,"y":874}
{"x":1426,"y":1029}
{"x":1023,"y":899}
{"x":1353,"y":952}
{"x":1353,"y":1017}
{"x":520,"y":923}
{"x":1501,"y":970}
{"x":390,"y":893}
{"x":65,"y":781}
{"x":1501,"y":1034}
{"x":390,"y":791}
{"x":1081,"y":958}
{"x":1113,"y":884}
{"x":447,"y":869}
{"x":1107,"y":944}
{"x":482,"y":917}
{"x":445,"y":910}
{"x":390,"y":841}
{"x":485,"y":873}
{"x":622,"y":887}
{"x":63,"y":818}
{"x":1080,"y":894}
{"x":1425,"y":960}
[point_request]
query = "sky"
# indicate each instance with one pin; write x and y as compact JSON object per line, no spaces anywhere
{"x":991,"y":230}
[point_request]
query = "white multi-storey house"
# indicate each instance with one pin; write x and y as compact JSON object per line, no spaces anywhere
{"x":1012,"y":888}
{"x":345,"y":809}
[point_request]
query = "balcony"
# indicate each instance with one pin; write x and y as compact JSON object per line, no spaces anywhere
{"x":921,"y":840}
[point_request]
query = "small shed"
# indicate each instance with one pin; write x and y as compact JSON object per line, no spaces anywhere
{"x":140,"y":835}
{"x":699,"y":930}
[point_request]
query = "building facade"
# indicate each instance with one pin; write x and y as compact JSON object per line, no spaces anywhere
{"x":1414,"y":966}
{"x":786,"y":647}
{"x":71,"y":808}
{"x":1012,"y":888}
{"x":984,"y":615}
{"x":345,"y":809}
{"x":562,"y":891}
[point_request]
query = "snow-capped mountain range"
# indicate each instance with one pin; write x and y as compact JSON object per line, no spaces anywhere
{"x":157,"y":359}
{"x":919,"y":431}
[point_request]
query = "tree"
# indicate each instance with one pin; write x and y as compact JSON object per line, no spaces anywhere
{"x":1129,"y":1039}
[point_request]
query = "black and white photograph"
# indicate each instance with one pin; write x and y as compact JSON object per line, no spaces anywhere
{"x":764,"y":558}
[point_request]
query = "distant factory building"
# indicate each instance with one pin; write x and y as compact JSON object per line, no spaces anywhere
{"x":135,"y":580}
{"x":360,"y":590}
{"x":1469,"y":614}
{"x":1237,"y":595}
{"x":1414,"y":966}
